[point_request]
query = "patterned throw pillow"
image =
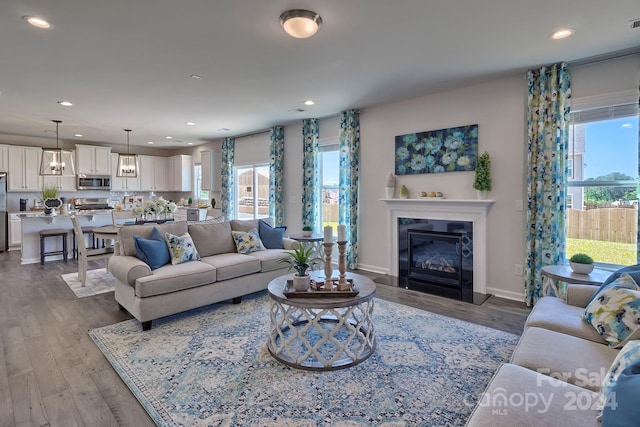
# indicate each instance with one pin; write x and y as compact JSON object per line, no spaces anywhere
{"x":629,"y":355}
{"x":181,"y":248}
{"x":615,"y":311}
{"x":247,"y":242}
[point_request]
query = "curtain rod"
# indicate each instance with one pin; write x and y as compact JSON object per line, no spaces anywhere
{"x":606,"y":57}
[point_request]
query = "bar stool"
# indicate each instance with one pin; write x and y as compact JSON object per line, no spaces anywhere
{"x":54,"y":232}
{"x":85,"y":230}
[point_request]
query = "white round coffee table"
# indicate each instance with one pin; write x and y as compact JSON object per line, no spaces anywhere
{"x":322,"y":332}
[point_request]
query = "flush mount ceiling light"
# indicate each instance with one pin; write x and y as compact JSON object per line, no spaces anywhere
{"x":309,"y":102}
{"x":37,"y":22}
{"x":563,"y":33}
{"x":56,"y":161}
{"x":300,"y":23}
{"x":190,"y":124}
{"x":127,"y":163}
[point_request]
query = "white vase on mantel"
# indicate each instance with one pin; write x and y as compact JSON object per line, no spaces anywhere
{"x":389,"y":192}
{"x":390,"y":185}
{"x":481,"y":194}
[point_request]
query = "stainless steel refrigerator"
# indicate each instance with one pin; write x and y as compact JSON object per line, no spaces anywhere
{"x":3,"y":211}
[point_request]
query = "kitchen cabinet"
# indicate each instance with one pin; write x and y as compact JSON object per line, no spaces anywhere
{"x":4,"y":158}
{"x":153,"y":173}
{"x":93,"y":160}
{"x":123,"y":184}
{"x":180,"y":173}
{"x":211,"y":170}
{"x":15,"y":231}
{"x":23,"y":172}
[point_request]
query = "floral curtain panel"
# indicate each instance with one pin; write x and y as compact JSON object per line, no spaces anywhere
{"x":548,"y":129}
{"x":276,"y":167}
{"x":349,"y":180}
{"x":228,"y":179}
{"x":310,"y":174}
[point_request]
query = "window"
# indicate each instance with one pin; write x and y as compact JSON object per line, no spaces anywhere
{"x":252,"y":191}
{"x":329,"y":164}
{"x":603,"y":184}
{"x":570,"y":168}
{"x":198,"y":192}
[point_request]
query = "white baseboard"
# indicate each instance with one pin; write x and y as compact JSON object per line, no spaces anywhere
{"x":372,"y":268}
{"x":501,"y":293}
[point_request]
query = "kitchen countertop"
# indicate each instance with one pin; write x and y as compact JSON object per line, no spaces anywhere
{"x":41,"y":214}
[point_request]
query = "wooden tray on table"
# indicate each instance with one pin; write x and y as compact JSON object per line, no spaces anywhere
{"x":322,"y":291}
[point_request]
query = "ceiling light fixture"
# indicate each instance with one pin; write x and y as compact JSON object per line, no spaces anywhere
{"x":563,"y":33}
{"x":300,"y":23}
{"x":196,"y":77}
{"x":127,"y":163}
{"x":190,"y":124}
{"x":65,"y":103}
{"x":37,"y":22}
{"x":309,"y":102}
{"x":168,"y":137}
{"x":189,"y":143}
{"x":78,"y":135}
{"x":56,"y":161}
{"x":150,"y":142}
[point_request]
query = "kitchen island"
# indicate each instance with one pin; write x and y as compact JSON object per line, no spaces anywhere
{"x":33,"y":223}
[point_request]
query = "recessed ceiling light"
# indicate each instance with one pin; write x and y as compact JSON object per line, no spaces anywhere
{"x":190,"y":124}
{"x":78,"y":135}
{"x":65,"y":103}
{"x":150,"y":142}
{"x":189,"y":143}
{"x":309,"y":102}
{"x":37,"y":22}
{"x":300,"y":23}
{"x":563,"y":33}
{"x":168,"y":137}
{"x":196,"y":77}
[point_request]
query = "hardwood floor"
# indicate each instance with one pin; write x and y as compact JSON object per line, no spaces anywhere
{"x":52,"y":374}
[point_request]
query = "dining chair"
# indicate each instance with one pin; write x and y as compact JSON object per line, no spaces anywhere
{"x":84,"y":254}
{"x":119,"y":216}
{"x":214,"y":214}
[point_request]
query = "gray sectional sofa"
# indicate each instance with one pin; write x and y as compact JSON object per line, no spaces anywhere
{"x":221,"y":274}
{"x":556,"y":370}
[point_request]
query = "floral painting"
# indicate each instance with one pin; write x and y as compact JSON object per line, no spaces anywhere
{"x":435,"y":151}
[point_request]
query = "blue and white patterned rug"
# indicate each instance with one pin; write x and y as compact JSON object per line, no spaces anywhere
{"x":210,"y":366}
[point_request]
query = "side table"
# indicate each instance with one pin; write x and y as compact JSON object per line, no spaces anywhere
{"x":553,"y":274}
{"x":315,"y":240}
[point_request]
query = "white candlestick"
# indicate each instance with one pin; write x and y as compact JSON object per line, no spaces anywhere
{"x":342,"y":233}
{"x":328,"y":234}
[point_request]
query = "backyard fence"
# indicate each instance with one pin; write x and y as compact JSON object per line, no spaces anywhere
{"x":608,"y":224}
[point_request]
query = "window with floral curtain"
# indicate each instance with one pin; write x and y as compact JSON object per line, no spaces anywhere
{"x":276,"y":168}
{"x":228,"y":178}
{"x":349,"y":180}
{"x":310,"y":182}
{"x":549,"y":102}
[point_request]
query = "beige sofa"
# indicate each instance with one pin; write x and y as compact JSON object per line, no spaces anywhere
{"x":220,"y":275}
{"x":555,"y":372}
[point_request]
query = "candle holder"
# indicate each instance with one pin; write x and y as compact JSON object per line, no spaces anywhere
{"x":343,"y":285}
{"x":328,"y":269}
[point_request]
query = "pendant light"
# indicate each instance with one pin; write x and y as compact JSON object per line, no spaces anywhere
{"x":56,"y":161}
{"x":127,"y":163}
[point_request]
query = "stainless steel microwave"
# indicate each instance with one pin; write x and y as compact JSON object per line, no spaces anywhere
{"x":94,"y":182}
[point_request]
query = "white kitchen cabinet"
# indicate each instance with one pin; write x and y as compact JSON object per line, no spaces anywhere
{"x":4,"y":158}
{"x":15,"y":231}
{"x":24,"y":169}
{"x":211,"y":170}
{"x":93,"y":160}
{"x":123,"y":184}
{"x":153,"y":173}
{"x":180,"y":173}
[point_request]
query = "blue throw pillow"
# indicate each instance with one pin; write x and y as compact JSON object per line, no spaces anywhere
{"x":631,"y":270}
{"x":154,"y":250}
{"x":622,"y":408}
{"x":271,"y":236}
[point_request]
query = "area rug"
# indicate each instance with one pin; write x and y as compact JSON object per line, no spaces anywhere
{"x":210,"y":366}
{"x":99,"y":281}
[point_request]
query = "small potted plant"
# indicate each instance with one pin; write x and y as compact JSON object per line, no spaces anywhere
{"x":307,"y":231}
{"x":300,"y":259}
{"x":581,"y":263}
{"x":482,"y":181}
{"x":50,"y":198}
{"x":213,"y":203}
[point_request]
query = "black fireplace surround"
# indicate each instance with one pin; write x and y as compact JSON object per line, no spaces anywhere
{"x":436,"y":257}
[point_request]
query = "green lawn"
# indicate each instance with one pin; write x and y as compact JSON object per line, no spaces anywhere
{"x":600,"y":251}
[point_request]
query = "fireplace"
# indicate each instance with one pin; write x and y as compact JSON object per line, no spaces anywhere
{"x":453,"y":227}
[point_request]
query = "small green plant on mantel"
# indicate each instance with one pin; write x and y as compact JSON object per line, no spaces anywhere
{"x":300,"y":259}
{"x":482,"y":181}
{"x":49,"y":192}
{"x":581,"y":259}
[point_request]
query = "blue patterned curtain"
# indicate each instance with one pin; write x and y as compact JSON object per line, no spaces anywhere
{"x":349,"y":180}
{"x":276,"y":167}
{"x":548,"y":129}
{"x":228,"y":179}
{"x":310,"y":174}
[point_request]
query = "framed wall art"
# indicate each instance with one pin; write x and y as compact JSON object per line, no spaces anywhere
{"x":436,"y":151}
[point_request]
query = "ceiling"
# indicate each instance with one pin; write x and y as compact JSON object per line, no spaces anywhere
{"x":127,"y":63}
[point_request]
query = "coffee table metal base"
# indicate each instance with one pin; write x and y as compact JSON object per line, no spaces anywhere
{"x":321,"y":339}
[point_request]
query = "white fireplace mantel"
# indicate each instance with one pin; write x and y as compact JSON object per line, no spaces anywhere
{"x":471,"y":210}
